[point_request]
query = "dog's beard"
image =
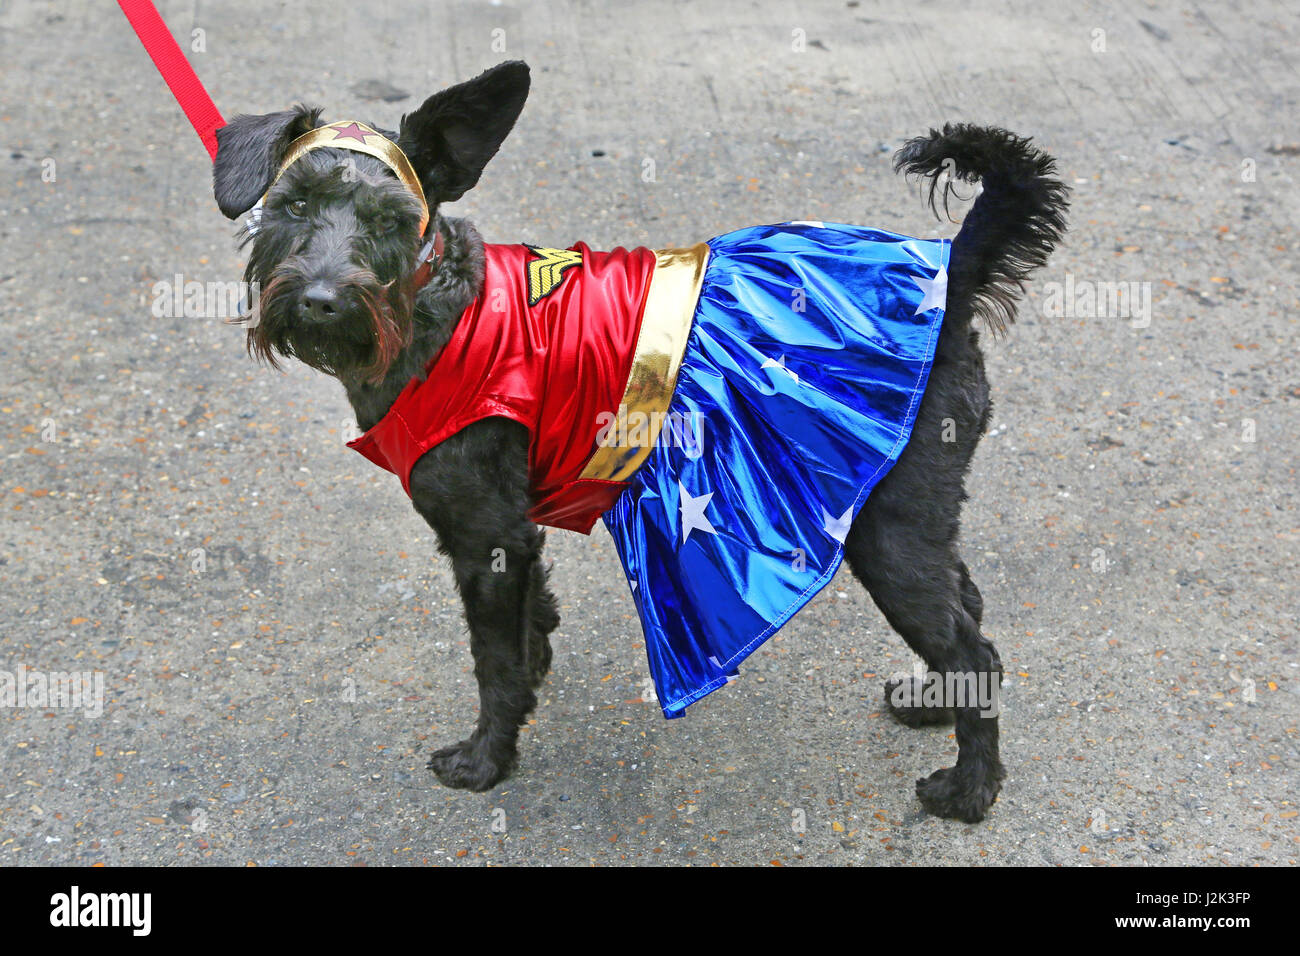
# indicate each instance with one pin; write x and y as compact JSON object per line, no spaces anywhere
{"x":361,"y":344}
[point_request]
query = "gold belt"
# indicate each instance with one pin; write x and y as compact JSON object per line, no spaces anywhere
{"x":665,"y":326}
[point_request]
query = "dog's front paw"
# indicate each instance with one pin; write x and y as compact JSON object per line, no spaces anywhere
{"x":960,"y":795}
{"x":471,"y":765}
{"x":905,"y":700}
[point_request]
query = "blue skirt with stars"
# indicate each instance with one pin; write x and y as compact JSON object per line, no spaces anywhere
{"x":808,"y":354}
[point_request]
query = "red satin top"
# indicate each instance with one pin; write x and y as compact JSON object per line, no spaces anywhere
{"x":548,"y":344}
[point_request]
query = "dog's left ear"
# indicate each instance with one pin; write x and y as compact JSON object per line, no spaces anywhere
{"x":451,"y":137}
{"x":249,"y":151}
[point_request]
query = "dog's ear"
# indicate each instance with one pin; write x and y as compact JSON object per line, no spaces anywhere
{"x":249,"y":151}
{"x":451,"y":137}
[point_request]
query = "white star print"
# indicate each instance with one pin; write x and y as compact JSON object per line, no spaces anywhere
{"x":692,"y":509}
{"x":934,"y":291}
{"x":774,"y":363}
{"x":838,"y":528}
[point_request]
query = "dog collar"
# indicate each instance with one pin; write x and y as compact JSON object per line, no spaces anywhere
{"x":426,"y":263}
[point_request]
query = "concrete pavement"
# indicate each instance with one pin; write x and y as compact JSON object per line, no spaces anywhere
{"x":280,"y":644}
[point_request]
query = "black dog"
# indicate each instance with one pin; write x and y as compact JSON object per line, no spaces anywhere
{"x":335,"y":256}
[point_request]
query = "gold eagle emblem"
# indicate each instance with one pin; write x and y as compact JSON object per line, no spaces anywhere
{"x":546,"y":272}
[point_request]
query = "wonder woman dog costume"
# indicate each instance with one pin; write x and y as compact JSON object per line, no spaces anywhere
{"x":727,"y":409}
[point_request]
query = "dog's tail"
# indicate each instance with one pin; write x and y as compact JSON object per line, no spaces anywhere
{"x":1013,"y":226}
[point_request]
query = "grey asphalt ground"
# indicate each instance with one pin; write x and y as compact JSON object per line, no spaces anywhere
{"x":279,"y":642}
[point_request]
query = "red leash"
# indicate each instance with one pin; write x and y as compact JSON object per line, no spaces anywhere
{"x":176,"y":71}
{"x":203,"y":113}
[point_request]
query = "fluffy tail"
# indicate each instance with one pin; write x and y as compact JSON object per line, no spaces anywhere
{"x":1013,"y":226}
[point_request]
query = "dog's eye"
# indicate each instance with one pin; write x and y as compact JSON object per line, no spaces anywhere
{"x":298,"y":208}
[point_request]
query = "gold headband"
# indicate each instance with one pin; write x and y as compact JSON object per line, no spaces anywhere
{"x":360,"y":138}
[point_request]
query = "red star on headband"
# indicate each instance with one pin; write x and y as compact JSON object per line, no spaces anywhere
{"x":351,"y":131}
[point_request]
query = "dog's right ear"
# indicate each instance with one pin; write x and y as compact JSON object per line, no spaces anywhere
{"x":249,"y":151}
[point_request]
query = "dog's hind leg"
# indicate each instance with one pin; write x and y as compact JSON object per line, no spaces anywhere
{"x":905,"y":697}
{"x":919,"y":586}
{"x":903,"y":548}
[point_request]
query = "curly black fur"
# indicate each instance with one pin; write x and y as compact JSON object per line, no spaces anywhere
{"x":1011,"y":230}
{"x":473,"y":489}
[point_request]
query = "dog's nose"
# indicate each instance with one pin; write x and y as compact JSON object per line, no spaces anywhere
{"x":320,"y":302}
